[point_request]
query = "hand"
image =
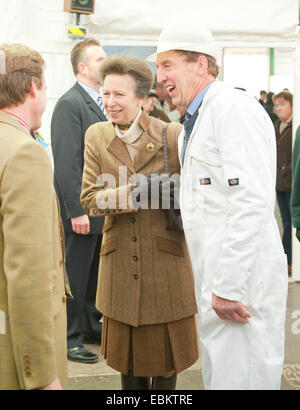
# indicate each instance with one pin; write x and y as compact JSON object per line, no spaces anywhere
{"x":55,"y":385}
{"x":81,"y":225}
{"x":229,"y":310}
{"x":298,"y":234}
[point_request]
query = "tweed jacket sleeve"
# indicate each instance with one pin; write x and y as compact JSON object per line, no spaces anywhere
{"x":34,"y":283}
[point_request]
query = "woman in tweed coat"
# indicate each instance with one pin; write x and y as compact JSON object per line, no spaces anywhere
{"x":145,"y":288}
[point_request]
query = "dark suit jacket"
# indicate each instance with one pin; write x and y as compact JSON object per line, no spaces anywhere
{"x":74,"y":113}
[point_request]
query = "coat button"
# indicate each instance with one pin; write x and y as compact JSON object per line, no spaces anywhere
{"x":136,"y":277}
{"x":134,"y":239}
{"x":133,"y":220}
{"x":135,"y":258}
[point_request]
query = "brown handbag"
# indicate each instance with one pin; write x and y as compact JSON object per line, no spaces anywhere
{"x":174,"y":221}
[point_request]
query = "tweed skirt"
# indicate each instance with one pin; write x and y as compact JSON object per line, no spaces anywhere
{"x":150,"y":350}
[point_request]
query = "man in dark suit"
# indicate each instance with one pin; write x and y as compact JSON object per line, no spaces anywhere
{"x":75,"y":111}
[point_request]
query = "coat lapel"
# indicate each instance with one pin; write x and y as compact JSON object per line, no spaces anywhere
{"x":148,"y":149}
{"x":91,"y":103}
{"x":148,"y":145}
{"x":97,"y":110}
{"x":180,"y":145}
{"x":118,"y":149}
{"x":284,"y":133}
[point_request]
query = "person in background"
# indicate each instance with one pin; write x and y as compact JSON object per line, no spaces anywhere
{"x":295,"y":196}
{"x":149,"y":102}
{"x":145,"y":286}
{"x":283,"y":103}
{"x":152,"y":110}
{"x":262,"y":97}
{"x":269,"y":107}
{"x":74,"y":113}
{"x":162,"y":103}
{"x":33,"y":287}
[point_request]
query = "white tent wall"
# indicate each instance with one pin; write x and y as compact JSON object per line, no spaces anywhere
{"x":133,"y":25}
{"x":144,"y":19}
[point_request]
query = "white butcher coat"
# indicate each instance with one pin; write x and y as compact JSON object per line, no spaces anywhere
{"x":227,"y":203}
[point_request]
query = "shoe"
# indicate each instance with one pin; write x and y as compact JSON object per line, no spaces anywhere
{"x":82,"y":355}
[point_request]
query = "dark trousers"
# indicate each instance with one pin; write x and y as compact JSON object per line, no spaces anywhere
{"x":82,"y":263}
{"x":284,"y":199}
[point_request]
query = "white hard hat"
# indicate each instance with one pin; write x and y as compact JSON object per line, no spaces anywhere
{"x":188,"y":36}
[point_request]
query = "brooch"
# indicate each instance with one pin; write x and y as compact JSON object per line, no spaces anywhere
{"x":150,"y":147}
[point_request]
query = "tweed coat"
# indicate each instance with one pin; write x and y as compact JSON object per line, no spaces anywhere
{"x":145,"y":276}
{"x":32,"y":286}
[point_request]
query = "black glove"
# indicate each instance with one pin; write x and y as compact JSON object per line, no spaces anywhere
{"x":155,"y":191}
{"x":298,"y":234}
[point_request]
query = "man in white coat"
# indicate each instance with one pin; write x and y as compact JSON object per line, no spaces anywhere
{"x":228,"y":156}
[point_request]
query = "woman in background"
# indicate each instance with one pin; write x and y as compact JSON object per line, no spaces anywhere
{"x":283,"y":128}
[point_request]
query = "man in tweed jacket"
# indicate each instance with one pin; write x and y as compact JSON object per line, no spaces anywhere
{"x":33,"y":351}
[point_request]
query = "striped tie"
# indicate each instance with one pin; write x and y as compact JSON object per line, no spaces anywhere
{"x":100,"y":103}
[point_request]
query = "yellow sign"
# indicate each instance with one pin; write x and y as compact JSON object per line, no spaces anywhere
{"x":77,"y":32}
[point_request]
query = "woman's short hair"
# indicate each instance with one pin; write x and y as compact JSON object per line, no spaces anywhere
{"x":285,"y":95}
{"x":128,"y":65}
{"x":192,"y":57}
{"x":19,"y":66}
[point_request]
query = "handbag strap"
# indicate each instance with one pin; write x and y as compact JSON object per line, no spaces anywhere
{"x":165,"y":148}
